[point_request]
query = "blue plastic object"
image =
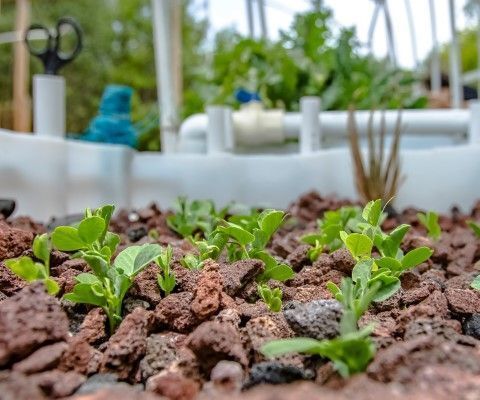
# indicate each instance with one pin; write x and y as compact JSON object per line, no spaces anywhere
{"x":245,"y":96}
{"x":113,"y":124}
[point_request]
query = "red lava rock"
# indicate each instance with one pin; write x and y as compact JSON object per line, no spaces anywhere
{"x":298,"y":258}
{"x":128,"y":344}
{"x":206,"y":297}
{"x":315,"y":276}
{"x":146,"y":287}
{"x":9,"y":282}
{"x":93,"y":328}
{"x":230,"y":316}
{"x":80,"y":357}
{"x":238,"y":274}
{"x":463,"y":260}
{"x":463,"y":301}
{"x":186,"y":279}
{"x":212,"y":342}
{"x":260,"y":330}
{"x":28,"y":320}
{"x":343,"y":261}
{"x":448,"y":329}
{"x":401,"y":361}
{"x":416,"y":295}
{"x":13,"y":241}
{"x":438,"y":302}
{"x":173,"y":386}
{"x":383,"y":322}
{"x":307,"y":293}
{"x":43,"y":359}
{"x":67,"y":280}
{"x":27,"y":224}
{"x":16,"y":386}
{"x":118,"y":393}
{"x":174,"y":312}
{"x":56,"y":383}
{"x":227,"y":376}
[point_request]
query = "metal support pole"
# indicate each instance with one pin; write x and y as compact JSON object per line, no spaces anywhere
{"x":373,"y":24}
{"x":251,"y":30}
{"x":435,"y":73}
{"x":310,"y":124}
{"x":263,"y":20}
{"x":455,"y":62}
{"x":219,"y":129}
{"x":390,"y":39}
{"x":413,"y":36}
{"x":474,"y":124}
{"x":162,"y":24}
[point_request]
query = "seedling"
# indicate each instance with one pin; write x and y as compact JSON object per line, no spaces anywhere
{"x":166,"y":280}
{"x":430,"y":222}
{"x":31,"y":271}
{"x":474,"y":227}
{"x":198,"y":216}
{"x":108,"y":283}
{"x":271,"y":297}
{"x":476,"y":283}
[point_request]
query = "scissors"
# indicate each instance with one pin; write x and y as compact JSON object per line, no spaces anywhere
{"x":51,"y":55}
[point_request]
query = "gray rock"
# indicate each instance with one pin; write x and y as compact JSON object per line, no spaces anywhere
{"x":227,"y":375}
{"x":471,"y":326}
{"x":103,"y":381}
{"x":161,"y":353}
{"x":318,"y":319}
{"x":275,"y":373}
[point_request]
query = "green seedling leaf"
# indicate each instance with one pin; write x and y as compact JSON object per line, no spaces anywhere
{"x":51,"y":286}
{"x":476,"y":283}
{"x":239,"y":234}
{"x":295,"y":345}
{"x":97,"y":263}
{"x":389,"y":286}
{"x":281,"y":272}
{"x":430,"y":222}
{"x":358,"y":244}
{"x":41,"y":248}
{"x":474,"y":227}
{"x":416,"y":257}
{"x":91,"y":229}
{"x":391,"y":244}
{"x":391,"y":264}
{"x":83,"y":293}
{"x":312,"y":238}
{"x":372,"y":212}
{"x":361,"y":272}
{"x":25,"y":268}
{"x":270,"y":220}
{"x":66,"y":238}
{"x":87,"y":278}
{"x":134,"y":258}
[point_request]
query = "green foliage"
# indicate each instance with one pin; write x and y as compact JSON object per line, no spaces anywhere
{"x":271,"y":297}
{"x":166,"y":280}
{"x":198,"y":216}
{"x":350,"y":352}
{"x":430,"y":222}
{"x":31,"y":271}
{"x":476,"y":283}
{"x":474,"y":227}
{"x":107,"y":285}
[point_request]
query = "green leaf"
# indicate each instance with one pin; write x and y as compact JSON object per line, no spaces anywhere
{"x":97,"y":263}
{"x":90,"y":229}
{"x":25,"y":268}
{"x":147,"y":254}
{"x":416,"y":257}
{"x":82,"y":293}
{"x":294,"y":345}
{"x":66,"y":238}
{"x":281,"y":273}
{"x":87,"y":278}
{"x":242,"y":236}
{"x":390,"y":286}
{"x":474,"y":227}
{"x":52,"y":286}
{"x":270,"y":220}
{"x":476,"y":283}
{"x":358,"y":244}
{"x":361,"y":272}
{"x":392,"y":242}
{"x":390,"y":263}
{"x":41,"y":249}
{"x":372,"y":212}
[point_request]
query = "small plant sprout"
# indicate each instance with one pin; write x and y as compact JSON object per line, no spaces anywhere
{"x":271,"y":297}
{"x":430,"y":222}
{"x":30,"y":270}
{"x":166,"y":279}
{"x":108,"y":283}
{"x":474,"y":227}
{"x":198,"y":216}
{"x":476,"y":283}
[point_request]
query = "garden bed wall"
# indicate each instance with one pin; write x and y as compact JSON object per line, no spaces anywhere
{"x":51,"y":176}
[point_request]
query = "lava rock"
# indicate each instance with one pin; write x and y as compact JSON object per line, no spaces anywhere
{"x":17,"y":386}
{"x":28,"y":320}
{"x":135,"y":233}
{"x":145,"y":286}
{"x":45,"y":358}
{"x":319,"y":319}
{"x":80,"y":357}
{"x":93,"y":328}
{"x":98,"y":382}
{"x":227,"y":376}
{"x":173,"y":385}
{"x":207,"y":295}
{"x":471,"y":326}
{"x":13,"y":241}
{"x":57,"y":383}
{"x":238,"y":274}
{"x":7,"y":207}
{"x":128,"y":344}
{"x":174,"y":312}
{"x":463,"y":301}
{"x":213,"y":341}
{"x":275,"y":373}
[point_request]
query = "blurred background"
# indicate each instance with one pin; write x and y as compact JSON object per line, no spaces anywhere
{"x":339,"y":50}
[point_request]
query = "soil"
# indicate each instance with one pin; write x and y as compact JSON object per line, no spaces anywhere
{"x":203,"y":341}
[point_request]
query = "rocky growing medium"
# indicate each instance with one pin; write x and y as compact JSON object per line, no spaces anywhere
{"x":193,"y":325}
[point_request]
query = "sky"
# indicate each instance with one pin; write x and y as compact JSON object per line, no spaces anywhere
{"x":358,"y":13}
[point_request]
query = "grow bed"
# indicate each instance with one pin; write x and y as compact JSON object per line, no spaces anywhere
{"x":204,"y":340}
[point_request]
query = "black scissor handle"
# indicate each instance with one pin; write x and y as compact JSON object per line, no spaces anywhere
{"x":68,"y":22}
{"x":28,"y":40}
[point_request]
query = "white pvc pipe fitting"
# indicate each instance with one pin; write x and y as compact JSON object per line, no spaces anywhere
{"x":310,"y":124}
{"x":49,"y":105}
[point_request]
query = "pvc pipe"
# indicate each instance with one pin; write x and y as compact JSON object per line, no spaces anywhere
{"x":310,"y":127}
{"x":216,"y":129}
{"x":164,"y":72}
{"x":455,"y":64}
{"x":49,"y":105}
{"x":435,"y":73}
{"x":474,"y":122}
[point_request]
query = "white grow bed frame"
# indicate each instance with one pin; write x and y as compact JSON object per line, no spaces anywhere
{"x":52,"y":176}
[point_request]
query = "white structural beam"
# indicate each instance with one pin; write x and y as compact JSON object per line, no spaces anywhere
{"x":413,"y":36}
{"x":435,"y":73}
{"x":262,"y":17}
{"x":163,"y":17}
{"x":455,"y":64}
{"x":251,"y":28}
